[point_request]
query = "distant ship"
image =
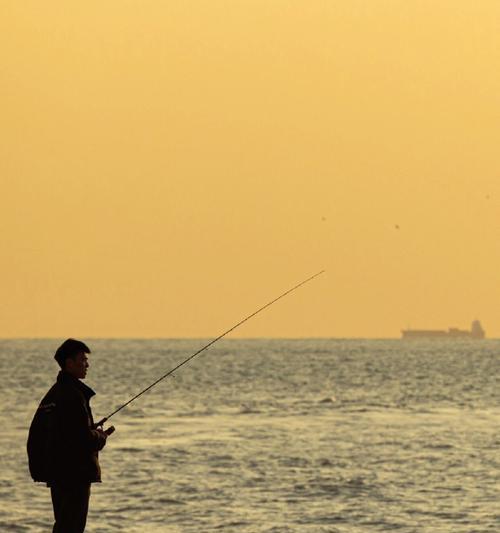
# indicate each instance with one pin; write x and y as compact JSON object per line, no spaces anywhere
{"x":476,"y":332}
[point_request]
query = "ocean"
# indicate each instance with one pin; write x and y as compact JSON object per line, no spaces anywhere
{"x":313,"y":435}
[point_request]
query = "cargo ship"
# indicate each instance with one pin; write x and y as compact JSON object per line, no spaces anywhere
{"x":476,"y":332}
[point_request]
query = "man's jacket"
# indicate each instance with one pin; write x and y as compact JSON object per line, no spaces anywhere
{"x":63,"y":445}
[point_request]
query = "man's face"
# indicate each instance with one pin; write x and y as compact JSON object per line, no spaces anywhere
{"x":78,"y":365}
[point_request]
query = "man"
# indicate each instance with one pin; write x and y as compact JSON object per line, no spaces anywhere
{"x":68,"y":442}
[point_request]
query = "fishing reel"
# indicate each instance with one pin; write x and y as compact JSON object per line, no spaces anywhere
{"x":100,"y":425}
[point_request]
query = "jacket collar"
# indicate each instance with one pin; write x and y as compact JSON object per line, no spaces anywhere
{"x":64,"y":377}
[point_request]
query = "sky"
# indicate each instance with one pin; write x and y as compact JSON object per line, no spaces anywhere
{"x":166,"y":168}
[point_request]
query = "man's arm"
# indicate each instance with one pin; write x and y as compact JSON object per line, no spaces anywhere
{"x":75,"y":425}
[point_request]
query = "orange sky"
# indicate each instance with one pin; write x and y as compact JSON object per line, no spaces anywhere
{"x":168,"y":167}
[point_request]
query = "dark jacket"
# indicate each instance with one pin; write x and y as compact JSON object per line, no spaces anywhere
{"x":74,"y":444}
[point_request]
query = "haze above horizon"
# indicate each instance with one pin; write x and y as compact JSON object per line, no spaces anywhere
{"x":168,"y":168}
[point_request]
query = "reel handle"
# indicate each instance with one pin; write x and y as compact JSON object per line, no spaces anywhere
{"x":101,"y":423}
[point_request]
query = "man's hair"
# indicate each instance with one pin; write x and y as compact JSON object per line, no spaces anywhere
{"x":69,"y":348}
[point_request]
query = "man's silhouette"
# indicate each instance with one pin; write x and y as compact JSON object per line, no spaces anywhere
{"x":73,"y":443}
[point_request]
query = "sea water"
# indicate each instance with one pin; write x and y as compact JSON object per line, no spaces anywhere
{"x":315,"y":435}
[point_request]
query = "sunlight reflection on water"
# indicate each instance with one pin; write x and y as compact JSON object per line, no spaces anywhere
{"x":274,"y":435}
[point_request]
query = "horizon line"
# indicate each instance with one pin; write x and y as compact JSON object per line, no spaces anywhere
{"x":313,"y":337}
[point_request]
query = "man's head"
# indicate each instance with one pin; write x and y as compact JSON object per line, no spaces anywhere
{"x":72,"y":358}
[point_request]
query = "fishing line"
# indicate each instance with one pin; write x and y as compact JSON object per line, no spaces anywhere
{"x":170,"y":372}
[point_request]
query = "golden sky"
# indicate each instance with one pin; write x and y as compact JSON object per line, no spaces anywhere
{"x":167,"y":167}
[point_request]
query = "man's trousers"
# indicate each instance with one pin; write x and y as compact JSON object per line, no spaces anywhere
{"x":71,"y":505}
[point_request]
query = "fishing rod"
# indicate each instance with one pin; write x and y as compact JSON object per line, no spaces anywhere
{"x":170,"y":372}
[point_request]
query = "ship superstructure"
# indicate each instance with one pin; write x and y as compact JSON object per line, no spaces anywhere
{"x":476,"y":332}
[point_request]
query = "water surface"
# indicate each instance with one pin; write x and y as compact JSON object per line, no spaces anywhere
{"x":349,"y":436}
